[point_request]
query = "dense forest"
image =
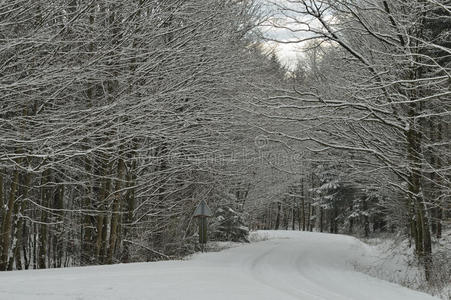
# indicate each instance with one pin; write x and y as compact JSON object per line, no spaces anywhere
{"x":118,"y":117}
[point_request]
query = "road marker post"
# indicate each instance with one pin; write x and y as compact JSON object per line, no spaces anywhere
{"x":202,"y":212}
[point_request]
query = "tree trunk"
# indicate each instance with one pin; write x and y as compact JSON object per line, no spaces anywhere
{"x":19,"y":232}
{"x":276,"y":226}
{"x":423,"y":236}
{"x":43,"y":232}
{"x":302,"y":206}
{"x":441,"y":200}
{"x":115,"y":213}
{"x":321,"y":219}
{"x":309,"y":216}
{"x":7,"y":226}
{"x":101,"y":217}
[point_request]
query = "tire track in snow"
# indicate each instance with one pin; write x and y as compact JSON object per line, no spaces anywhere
{"x":279,"y":268}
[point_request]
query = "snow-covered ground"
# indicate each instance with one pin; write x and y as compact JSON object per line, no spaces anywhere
{"x":287,"y":265}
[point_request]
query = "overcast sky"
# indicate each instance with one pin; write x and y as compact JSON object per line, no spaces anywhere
{"x":287,"y":53}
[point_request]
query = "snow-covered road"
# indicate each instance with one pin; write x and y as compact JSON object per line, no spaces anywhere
{"x":289,"y":265}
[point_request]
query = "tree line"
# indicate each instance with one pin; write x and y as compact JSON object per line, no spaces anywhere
{"x":110,"y":115}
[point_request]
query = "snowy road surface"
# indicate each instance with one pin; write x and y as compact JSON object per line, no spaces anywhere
{"x":289,"y":265}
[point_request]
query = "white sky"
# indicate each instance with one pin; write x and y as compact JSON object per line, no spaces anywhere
{"x":290,"y":53}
